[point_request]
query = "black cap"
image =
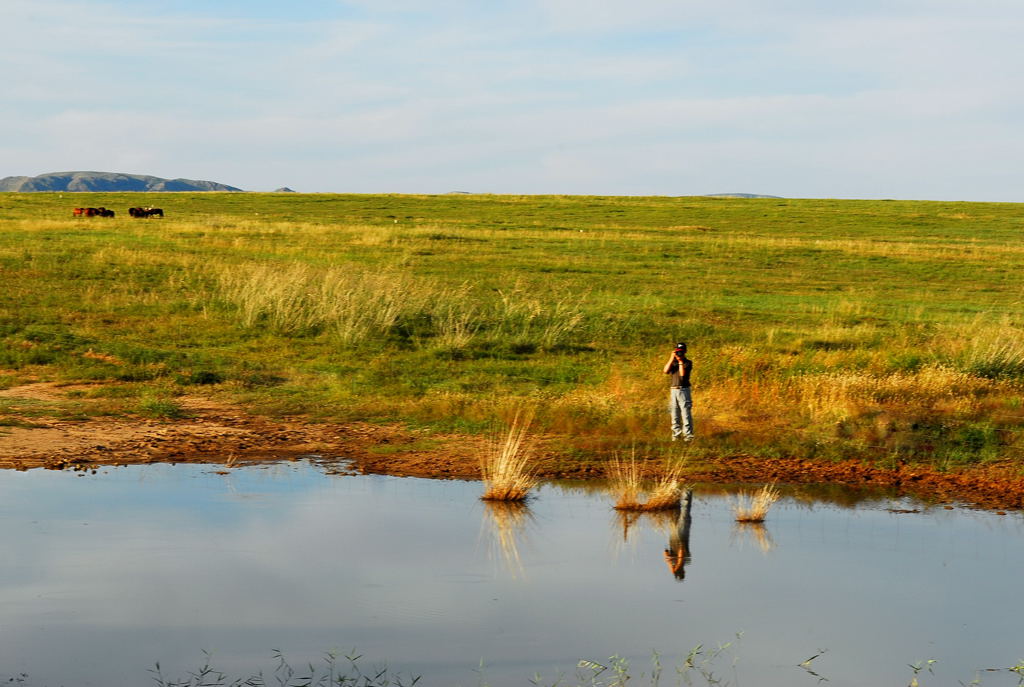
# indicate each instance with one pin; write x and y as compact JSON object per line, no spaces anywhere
{"x":681,"y":344}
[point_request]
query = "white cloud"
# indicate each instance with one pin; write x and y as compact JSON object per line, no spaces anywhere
{"x":575,"y":94}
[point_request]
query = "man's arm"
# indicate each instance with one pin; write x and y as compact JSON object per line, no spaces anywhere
{"x":668,"y":365}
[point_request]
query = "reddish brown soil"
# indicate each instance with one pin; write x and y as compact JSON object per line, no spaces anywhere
{"x":217,"y":433}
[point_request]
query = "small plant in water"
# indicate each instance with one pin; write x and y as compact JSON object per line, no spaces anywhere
{"x":626,"y":481}
{"x":668,"y":488}
{"x":231,"y":461}
{"x":332,"y":672}
{"x":506,"y":471}
{"x":754,"y":506}
{"x":1019,"y":671}
{"x":918,"y":667}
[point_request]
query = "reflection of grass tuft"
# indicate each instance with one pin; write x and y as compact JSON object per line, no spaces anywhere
{"x":508,"y":520}
{"x":756,"y":532}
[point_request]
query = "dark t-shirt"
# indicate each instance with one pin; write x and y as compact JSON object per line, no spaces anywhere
{"x":677,"y":379}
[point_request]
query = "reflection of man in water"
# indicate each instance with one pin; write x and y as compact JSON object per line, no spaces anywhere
{"x":677,"y":555}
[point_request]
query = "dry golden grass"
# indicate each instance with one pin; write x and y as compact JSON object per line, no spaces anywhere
{"x":668,"y":488}
{"x":987,"y":343}
{"x":352,"y":301}
{"x":355,"y":302}
{"x":505,"y":470}
{"x":754,"y":506}
{"x":907,"y":250}
{"x":625,"y":482}
{"x":837,"y":395}
{"x":229,"y":463}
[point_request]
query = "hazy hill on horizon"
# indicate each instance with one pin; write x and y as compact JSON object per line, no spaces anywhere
{"x":106,"y":181}
{"x":739,"y":195}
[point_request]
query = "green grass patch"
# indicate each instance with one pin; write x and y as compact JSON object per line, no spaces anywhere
{"x":418,"y":445}
{"x":160,"y":407}
{"x":820,"y":328}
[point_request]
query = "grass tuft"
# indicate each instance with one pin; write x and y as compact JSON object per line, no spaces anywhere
{"x":625,"y":482}
{"x":666,"y":492}
{"x":505,"y":470}
{"x":754,"y":506}
{"x":628,"y":484}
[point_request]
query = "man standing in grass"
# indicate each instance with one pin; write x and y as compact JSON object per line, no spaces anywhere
{"x":680,"y":402}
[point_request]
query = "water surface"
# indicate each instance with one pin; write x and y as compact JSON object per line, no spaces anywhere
{"x":102,"y":575}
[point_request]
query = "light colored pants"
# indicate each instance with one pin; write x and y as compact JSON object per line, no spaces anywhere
{"x":680,"y":404}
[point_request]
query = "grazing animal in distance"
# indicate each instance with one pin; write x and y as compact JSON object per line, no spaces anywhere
{"x":78,"y":212}
{"x":145,"y":212}
{"x":103,"y":212}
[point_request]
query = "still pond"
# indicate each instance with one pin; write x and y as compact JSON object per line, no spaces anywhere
{"x":103,"y":575}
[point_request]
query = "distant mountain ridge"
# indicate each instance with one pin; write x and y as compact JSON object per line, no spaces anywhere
{"x":106,"y":181}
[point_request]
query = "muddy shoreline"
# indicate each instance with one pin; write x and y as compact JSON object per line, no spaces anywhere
{"x":219,"y":434}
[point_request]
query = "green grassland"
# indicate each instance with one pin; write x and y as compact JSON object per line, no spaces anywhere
{"x":884,"y":330}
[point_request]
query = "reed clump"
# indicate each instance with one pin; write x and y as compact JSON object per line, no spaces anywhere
{"x":506,"y":470}
{"x":667,"y":489}
{"x":754,"y":506}
{"x":627,"y":482}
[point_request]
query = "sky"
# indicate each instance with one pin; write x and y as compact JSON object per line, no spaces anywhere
{"x":914,"y":99}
